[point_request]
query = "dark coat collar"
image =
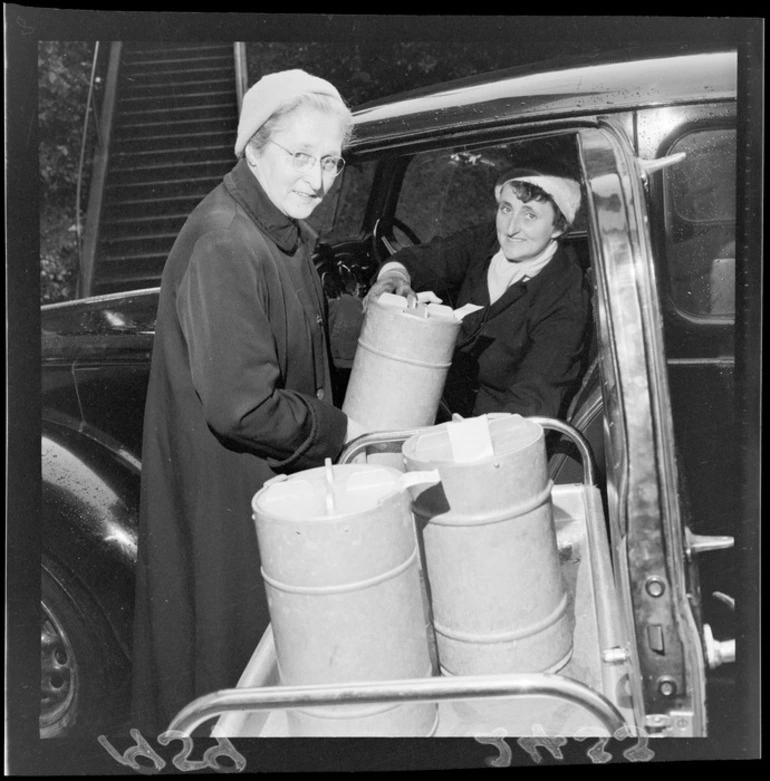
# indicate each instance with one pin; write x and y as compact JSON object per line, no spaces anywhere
{"x":247,"y":191}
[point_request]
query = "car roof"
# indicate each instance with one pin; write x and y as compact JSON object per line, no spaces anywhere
{"x":555,"y":89}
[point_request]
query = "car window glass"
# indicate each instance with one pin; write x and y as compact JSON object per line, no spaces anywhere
{"x":444,"y":192}
{"x":340,"y":215}
{"x":700,"y":224}
{"x":699,"y":334}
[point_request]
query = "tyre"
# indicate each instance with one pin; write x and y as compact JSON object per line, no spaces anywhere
{"x":84,"y":676}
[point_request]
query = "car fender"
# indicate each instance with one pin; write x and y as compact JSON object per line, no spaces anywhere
{"x":89,"y":518}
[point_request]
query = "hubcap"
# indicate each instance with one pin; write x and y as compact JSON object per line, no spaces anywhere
{"x":58,"y":671}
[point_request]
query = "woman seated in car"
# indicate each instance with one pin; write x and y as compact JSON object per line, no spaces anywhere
{"x":520,"y":351}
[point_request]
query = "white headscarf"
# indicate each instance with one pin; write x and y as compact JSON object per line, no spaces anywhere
{"x":565,"y":192}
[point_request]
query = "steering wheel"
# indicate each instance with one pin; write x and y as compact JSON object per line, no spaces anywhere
{"x":387,"y":241}
{"x":406,"y":230}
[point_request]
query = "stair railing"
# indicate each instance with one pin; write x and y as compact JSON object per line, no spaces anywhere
{"x":83,"y":145}
{"x":241,"y":72}
{"x":87,"y":256}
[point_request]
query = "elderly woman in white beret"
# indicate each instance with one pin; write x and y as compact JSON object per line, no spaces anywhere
{"x":239,"y":391}
{"x":520,"y":350}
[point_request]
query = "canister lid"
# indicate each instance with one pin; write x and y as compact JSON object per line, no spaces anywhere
{"x":472,"y":440}
{"x":427,"y":311}
{"x":334,"y":491}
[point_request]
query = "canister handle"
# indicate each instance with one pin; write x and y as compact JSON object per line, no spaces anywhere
{"x":580,"y":442}
{"x":360,"y":444}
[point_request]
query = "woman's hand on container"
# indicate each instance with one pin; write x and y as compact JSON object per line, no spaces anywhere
{"x":391,"y":283}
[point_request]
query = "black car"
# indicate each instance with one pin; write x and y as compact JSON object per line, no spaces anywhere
{"x":668,"y":392}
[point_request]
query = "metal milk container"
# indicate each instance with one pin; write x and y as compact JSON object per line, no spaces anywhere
{"x":400,"y":366}
{"x":491,"y":556}
{"x":340,"y":565}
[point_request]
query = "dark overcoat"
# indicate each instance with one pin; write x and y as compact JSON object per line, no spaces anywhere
{"x":239,"y":390}
{"x":520,"y":354}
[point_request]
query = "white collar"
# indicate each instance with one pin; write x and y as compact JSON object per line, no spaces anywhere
{"x":503,"y":273}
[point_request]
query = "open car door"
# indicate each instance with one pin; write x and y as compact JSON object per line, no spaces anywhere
{"x":657,"y":592}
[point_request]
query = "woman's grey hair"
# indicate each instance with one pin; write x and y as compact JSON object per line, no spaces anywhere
{"x":316,"y":100}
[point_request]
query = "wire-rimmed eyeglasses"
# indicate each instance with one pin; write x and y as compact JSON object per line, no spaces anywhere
{"x":330,"y":164}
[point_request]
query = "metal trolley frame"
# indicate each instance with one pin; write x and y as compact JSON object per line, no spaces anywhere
{"x":243,"y":711}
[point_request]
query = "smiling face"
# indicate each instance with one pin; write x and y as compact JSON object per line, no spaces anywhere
{"x":297,"y":192}
{"x":524,"y":230}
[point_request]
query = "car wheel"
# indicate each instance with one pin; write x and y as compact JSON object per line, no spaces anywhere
{"x":83,"y":691}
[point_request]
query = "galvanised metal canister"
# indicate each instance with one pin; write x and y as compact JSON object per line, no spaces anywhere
{"x":491,"y":556}
{"x":340,"y":565}
{"x":400,"y":366}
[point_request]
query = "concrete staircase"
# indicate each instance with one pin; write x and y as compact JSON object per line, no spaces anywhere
{"x":173,"y":135}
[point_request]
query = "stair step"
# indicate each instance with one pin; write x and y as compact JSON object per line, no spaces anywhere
{"x":147,"y":260}
{"x":169,"y":155}
{"x":180,"y":75}
{"x":180,"y":61}
{"x":182,"y":126}
{"x":180,"y":201}
{"x":152,"y":49}
{"x":171,"y":172}
{"x":140,"y":260}
{"x":154,"y":149}
{"x":138,"y":246}
{"x":128,"y":273}
{"x":164,"y":189}
{"x":160,"y":134}
{"x":180,"y":49}
{"x":224,"y":138}
{"x":225,"y":81}
{"x":224,"y":94}
{"x":203,"y":110}
{"x":152,"y":46}
{"x":143,"y":207}
{"x":151,"y":224}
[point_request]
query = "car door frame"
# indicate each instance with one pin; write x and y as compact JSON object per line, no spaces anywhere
{"x":647,"y":535}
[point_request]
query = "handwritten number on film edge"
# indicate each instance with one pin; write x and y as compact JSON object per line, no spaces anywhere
{"x":224,"y":748}
{"x":496,"y":739}
{"x":596,"y":753}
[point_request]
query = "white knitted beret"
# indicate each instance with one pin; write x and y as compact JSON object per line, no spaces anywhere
{"x":565,"y":192}
{"x":269,"y":94}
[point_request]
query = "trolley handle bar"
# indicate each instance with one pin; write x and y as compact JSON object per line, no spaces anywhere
{"x":411,"y":690}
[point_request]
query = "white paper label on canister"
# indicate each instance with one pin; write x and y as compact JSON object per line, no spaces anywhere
{"x":466,"y":310}
{"x":470,"y":439}
{"x":440,"y":310}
